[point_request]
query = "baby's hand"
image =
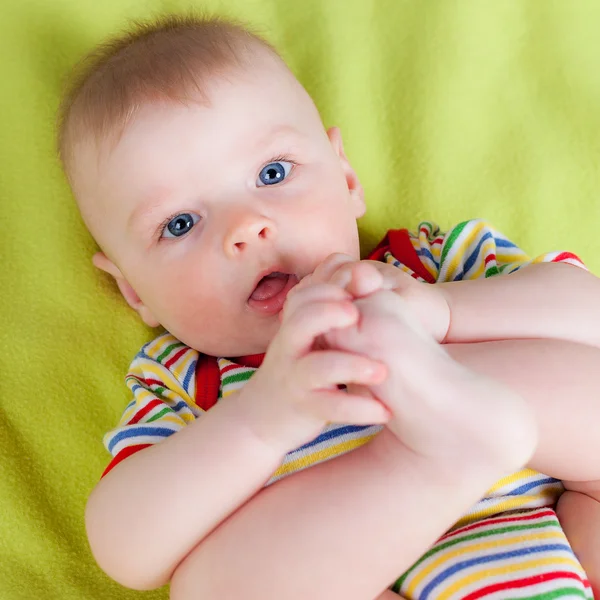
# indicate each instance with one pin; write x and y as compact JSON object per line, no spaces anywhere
{"x":426,"y":302}
{"x":294,"y":394}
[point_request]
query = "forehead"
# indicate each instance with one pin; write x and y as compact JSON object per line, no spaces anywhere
{"x":248,"y":110}
{"x":244,"y":107}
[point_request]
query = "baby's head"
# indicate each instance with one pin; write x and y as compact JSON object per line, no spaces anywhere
{"x":200,"y":166}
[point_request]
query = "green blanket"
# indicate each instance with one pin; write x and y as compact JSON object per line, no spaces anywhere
{"x":450,"y":110}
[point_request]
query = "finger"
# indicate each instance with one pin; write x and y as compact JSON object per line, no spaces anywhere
{"x":336,"y":406}
{"x":363,"y":279}
{"x":329,"y":266}
{"x":299,"y":330}
{"x":393,"y":277}
{"x":329,"y":368}
{"x":314,"y":293}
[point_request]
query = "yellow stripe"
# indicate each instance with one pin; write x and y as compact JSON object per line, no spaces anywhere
{"x":183,"y":365}
{"x":315,"y":457}
{"x":127,"y":415}
{"x":174,"y":418}
{"x":519,"y":477}
{"x":169,"y":382}
{"x":485,"y":250}
{"x":459,"y":252}
{"x":157,"y":346}
{"x":505,"y":570}
{"x":420,"y":243}
{"x":449,"y":555}
{"x":512,"y":256}
{"x":506,"y":504}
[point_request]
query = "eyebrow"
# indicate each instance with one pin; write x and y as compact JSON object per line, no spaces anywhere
{"x":144,"y":212}
{"x":277,"y":131}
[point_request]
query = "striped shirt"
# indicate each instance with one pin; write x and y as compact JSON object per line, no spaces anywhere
{"x":173,"y":384}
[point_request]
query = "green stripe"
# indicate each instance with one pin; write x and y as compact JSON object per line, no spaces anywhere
{"x":235,"y":378}
{"x":162,"y":413}
{"x":492,"y":271}
{"x":168,"y":351}
{"x":473,"y":536}
{"x":450,"y":239}
{"x":560,"y":593}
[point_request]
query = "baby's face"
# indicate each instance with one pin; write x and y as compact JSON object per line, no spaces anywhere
{"x":197,"y":205}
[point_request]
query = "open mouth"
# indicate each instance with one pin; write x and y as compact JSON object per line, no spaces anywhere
{"x":271,"y":291}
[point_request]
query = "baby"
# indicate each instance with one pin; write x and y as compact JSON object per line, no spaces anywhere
{"x":227,"y":214}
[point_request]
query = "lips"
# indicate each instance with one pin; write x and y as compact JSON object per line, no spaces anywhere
{"x":271,"y":291}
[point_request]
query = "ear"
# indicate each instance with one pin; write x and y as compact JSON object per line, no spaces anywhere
{"x":102,"y":262}
{"x":354,"y":187}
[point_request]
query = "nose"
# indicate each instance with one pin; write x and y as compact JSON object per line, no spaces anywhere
{"x":245,"y":230}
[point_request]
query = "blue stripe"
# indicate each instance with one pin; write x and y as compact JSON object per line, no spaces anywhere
{"x":473,"y":257}
{"x":502,"y":243}
{"x":178,"y":406}
{"x":131,"y":432}
{"x":333,"y":433}
{"x":186,"y":379}
{"x":532,"y":484}
{"x":487,"y":559}
{"x":426,"y":253}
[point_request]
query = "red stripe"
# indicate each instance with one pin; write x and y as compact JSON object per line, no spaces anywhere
{"x":565,"y":256}
{"x":253,"y":361}
{"x":229,"y":368}
{"x":485,"y":522}
{"x":398,"y":242}
{"x":208,"y":381}
{"x":125,"y":453}
{"x":525,"y":582}
{"x":489,"y":257}
{"x":176,"y":357}
{"x":149,"y":382}
{"x":142,"y":413}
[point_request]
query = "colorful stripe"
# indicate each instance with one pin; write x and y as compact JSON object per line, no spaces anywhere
{"x":522,"y":555}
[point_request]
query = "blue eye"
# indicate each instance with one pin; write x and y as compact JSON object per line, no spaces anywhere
{"x":273,"y":173}
{"x":180,"y":225}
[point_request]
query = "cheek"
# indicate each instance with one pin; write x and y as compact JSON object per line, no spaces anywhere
{"x":177,"y":291}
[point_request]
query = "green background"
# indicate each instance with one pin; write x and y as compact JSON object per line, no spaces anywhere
{"x":450,"y":110}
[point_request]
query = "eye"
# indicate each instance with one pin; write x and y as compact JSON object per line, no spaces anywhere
{"x":274,"y":172}
{"x":180,"y":225}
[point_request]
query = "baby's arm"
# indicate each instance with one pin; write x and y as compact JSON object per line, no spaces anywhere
{"x":544,"y":301}
{"x":157,"y":505}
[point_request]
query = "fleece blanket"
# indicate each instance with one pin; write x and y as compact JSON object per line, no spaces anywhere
{"x":450,"y":110}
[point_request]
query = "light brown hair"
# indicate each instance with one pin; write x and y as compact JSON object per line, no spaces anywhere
{"x":166,"y":59}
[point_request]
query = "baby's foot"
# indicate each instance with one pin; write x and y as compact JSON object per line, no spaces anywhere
{"x":441,"y":410}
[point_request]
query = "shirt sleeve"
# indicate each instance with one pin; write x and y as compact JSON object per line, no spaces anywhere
{"x":162,"y":382}
{"x":473,"y":250}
